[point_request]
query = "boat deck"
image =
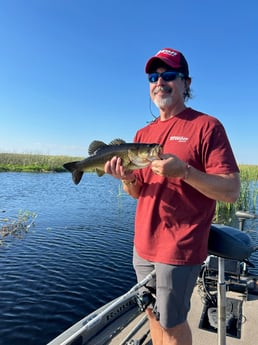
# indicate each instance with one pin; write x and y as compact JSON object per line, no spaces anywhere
{"x":249,"y":332}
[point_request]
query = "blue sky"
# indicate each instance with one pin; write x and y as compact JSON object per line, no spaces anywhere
{"x":72,"y":71}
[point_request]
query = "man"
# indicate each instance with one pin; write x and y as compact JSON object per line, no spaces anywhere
{"x":176,"y":194}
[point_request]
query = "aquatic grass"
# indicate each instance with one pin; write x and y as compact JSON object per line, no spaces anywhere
{"x":16,"y":226}
{"x":247,"y":201}
{"x":249,"y":172}
{"x":33,"y":162}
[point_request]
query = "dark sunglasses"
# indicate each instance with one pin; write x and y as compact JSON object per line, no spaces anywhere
{"x":167,"y":76}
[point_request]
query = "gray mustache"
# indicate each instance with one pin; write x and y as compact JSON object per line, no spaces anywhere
{"x":162,"y":88}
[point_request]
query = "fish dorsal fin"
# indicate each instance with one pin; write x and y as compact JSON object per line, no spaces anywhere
{"x":117,"y":142}
{"x":95,"y":146}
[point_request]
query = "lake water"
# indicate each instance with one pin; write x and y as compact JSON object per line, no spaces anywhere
{"x":76,"y":258}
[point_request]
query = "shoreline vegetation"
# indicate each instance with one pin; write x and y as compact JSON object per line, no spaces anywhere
{"x":21,"y":162}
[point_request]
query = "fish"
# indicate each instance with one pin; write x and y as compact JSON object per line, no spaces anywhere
{"x":134,"y":156}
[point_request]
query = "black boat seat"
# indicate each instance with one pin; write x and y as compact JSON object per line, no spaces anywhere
{"x":230,"y":243}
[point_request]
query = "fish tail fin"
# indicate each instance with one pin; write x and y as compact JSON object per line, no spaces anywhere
{"x":76,"y":174}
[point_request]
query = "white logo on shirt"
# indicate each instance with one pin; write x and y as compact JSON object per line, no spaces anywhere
{"x":180,"y":139}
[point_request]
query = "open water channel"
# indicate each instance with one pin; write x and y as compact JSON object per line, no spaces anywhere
{"x":76,"y":258}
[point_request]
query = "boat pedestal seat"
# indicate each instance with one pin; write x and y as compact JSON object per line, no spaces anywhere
{"x":230,"y":243}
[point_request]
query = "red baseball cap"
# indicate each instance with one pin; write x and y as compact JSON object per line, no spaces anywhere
{"x":170,"y":57}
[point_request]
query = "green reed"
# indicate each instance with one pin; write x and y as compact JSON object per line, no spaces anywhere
{"x":33,"y":162}
{"x":247,"y":200}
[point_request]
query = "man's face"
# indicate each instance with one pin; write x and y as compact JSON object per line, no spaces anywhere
{"x":166,"y":94}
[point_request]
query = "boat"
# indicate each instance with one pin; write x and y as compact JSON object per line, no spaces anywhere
{"x":222,"y":287}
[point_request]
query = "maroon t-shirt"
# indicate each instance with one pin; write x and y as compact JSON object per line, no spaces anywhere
{"x":173,"y":219}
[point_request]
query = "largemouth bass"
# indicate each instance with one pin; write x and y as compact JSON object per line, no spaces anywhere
{"x":134,"y":156}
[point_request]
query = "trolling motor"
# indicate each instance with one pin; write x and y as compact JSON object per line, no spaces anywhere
{"x":226,"y":243}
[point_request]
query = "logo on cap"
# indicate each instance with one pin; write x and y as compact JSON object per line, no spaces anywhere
{"x":166,"y":51}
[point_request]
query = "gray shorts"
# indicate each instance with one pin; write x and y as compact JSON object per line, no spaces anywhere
{"x":174,"y":285}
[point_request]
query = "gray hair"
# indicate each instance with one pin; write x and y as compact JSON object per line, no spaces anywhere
{"x":187,"y":93}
